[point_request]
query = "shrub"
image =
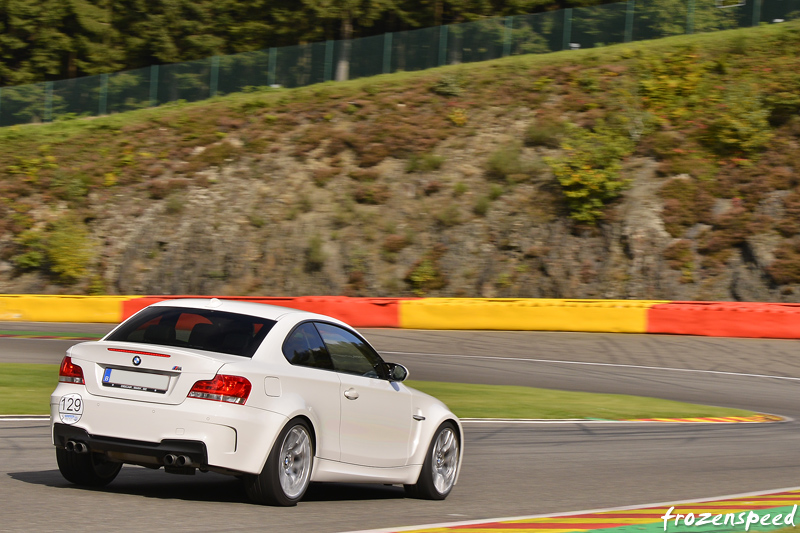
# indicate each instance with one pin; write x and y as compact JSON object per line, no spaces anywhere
{"x":175,"y":205}
{"x":740,"y":124}
{"x":70,"y":186}
{"x":449,"y":216}
{"x":160,"y":188}
{"x":431,"y":187}
{"x":680,"y":257}
{"x":321,"y":176}
{"x":459,"y":188}
{"x":481,"y":206}
{"x":394,"y":243}
{"x":589,"y":171}
{"x":458,"y":117}
{"x":424,"y":163}
{"x":68,"y":250}
{"x":687,"y":202}
{"x":789,"y":225}
{"x":366,"y":175}
{"x":426,"y":275}
{"x":372,"y":193}
{"x":32,"y":248}
{"x":785,"y":269}
{"x":315,"y":256}
{"x":448,"y":85}
{"x":506,"y":164}
{"x":546,"y":131}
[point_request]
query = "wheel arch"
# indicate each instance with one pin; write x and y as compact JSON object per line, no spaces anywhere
{"x":289,"y":419}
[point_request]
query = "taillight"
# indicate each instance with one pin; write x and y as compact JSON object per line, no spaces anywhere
{"x":231,"y":389}
{"x":70,"y":372}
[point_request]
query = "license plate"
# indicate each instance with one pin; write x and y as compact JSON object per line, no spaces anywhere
{"x":139,"y":381}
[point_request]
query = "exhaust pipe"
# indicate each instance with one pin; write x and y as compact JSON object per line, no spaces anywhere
{"x":70,"y":446}
{"x":169,"y":459}
{"x":183,"y":460}
{"x":81,"y":447}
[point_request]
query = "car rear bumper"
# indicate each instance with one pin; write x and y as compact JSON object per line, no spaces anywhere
{"x":150,"y":452}
{"x":215,"y":435}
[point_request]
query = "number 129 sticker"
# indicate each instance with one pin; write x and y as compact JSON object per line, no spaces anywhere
{"x":70,"y":408}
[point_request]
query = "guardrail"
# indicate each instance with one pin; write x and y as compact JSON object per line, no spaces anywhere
{"x":718,"y":319}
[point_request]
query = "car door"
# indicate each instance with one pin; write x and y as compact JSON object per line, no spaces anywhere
{"x":314,"y":378}
{"x":376,"y":413}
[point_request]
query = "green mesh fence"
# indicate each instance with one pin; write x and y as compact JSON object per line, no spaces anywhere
{"x":296,"y":66}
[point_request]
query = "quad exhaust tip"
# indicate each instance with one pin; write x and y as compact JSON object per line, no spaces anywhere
{"x":177,"y":460}
{"x":77,"y":447}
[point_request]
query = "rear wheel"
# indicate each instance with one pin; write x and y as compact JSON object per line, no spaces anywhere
{"x":440,"y":468}
{"x":89,"y":469}
{"x":287,"y":472}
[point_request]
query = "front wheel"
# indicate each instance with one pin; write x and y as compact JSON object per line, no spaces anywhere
{"x":287,"y":472}
{"x":440,"y":468}
{"x":89,"y":469}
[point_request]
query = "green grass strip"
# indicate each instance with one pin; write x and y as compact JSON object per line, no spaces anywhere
{"x":26,"y":389}
{"x":503,"y":401}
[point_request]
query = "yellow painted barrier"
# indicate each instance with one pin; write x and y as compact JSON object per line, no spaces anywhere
{"x":613,"y":316}
{"x":53,"y":308}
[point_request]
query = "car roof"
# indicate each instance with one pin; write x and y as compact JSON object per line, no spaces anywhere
{"x":271,"y":312}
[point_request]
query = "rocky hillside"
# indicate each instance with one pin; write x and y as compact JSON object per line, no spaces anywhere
{"x":656,"y":170}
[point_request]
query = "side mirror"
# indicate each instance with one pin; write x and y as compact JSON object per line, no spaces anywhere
{"x":397,"y":372}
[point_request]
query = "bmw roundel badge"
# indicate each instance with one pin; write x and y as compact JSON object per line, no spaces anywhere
{"x":137,"y":360}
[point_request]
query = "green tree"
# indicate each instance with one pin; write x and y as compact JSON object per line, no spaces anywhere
{"x":31,"y":42}
{"x":346,"y":13}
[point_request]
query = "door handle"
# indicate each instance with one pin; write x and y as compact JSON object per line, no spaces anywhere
{"x":351,"y":394}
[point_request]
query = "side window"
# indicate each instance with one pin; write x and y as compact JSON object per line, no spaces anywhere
{"x":304,"y":347}
{"x":351,"y":354}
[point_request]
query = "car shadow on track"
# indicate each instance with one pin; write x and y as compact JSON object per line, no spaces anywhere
{"x":204,"y":487}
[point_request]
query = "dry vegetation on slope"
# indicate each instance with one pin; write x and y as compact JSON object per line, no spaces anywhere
{"x":663,"y":169}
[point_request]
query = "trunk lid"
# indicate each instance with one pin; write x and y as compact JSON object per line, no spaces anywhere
{"x":145,"y":372}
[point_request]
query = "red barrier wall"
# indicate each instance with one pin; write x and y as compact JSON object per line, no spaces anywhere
{"x":358,"y":312}
{"x":726,"y":319}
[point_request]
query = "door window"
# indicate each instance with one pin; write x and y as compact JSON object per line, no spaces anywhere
{"x":350,"y":354}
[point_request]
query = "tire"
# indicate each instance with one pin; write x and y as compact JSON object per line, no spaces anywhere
{"x":287,"y":473}
{"x":88,"y":469}
{"x":440,"y":468}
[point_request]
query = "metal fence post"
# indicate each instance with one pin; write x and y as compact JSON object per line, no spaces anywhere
{"x":690,"y":17}
{"x":48,"y":101}
{"x":328,"y":74}
{"x":213,"y":82}
{"x":442,"y":45}
{"x":756,"y":12}
{"x":629,"y":21}
{"x":103,"y":100}
{"x":153,"y":85}
{"x":387,"y":53}
{"x":273,"y":58}
{"x":507,"y":35}
{"x":567,"y":28}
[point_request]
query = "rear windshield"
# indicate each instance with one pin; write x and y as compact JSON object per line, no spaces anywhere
{"x":202,"y":329}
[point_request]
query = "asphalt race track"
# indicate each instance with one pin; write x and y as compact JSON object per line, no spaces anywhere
{"x":509,"y":469}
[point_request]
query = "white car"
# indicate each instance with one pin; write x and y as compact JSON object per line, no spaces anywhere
{"x":277,"y":396}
